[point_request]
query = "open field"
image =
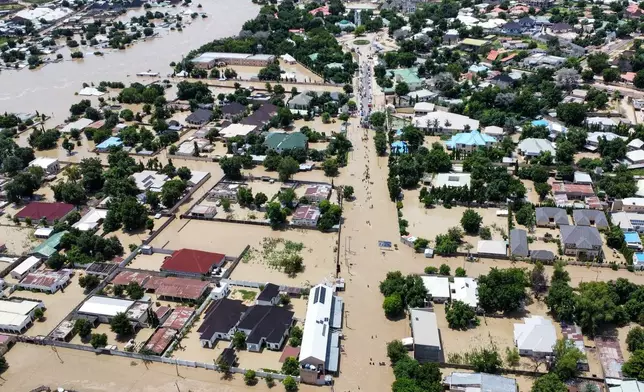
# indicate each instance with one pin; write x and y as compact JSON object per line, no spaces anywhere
{"x":231,"y":239}
{"x":32,"y":366}
{"x":267,"y":359}
{"x":148,"y":262}
{"x":19,"y":240}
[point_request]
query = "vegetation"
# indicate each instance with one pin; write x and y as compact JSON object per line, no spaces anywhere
{"x":502,"y":290}
{"x":460,"y":315}
{"x":120,"y":325}
{"x":98,"y":340}
{"x":402,"y":292}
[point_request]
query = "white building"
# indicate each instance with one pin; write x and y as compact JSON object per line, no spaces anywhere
{"x":17,"y":315}
{"x":491,"y":248}
{"x":237,"y":130}
{"x":149,"y":180}
{"x":635,"y":156}
{"x":306,"y":215}
{"x":445,"y":122}
{"x":437,"y":287}
{"x":427,"y":341}
{"x":221,"y":291}
{"x":422,"y":108}
{"x":603,"y":123}
{"x":465,"y":290}
{"x":532,"y":147}
{"x":49,"y":165}
{"x":79,"y":124}
{"x":323,"y":313}
{"x":91,"y":220}
{"x":30,"y":264}
{"x":105,"y":308}
{"x":317,"y":193}
{"x":535,"y":338}
{"x":46,"y":281}
{"x":452,"y":180}
{"x":494,"y":131}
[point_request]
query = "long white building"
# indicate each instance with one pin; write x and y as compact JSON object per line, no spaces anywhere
{"x":17,"y":316}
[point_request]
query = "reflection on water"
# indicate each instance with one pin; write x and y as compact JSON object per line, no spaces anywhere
{"x":51,"y":89}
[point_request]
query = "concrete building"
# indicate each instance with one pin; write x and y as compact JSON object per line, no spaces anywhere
{"x":17,"y":315}
{"x":427,"y":341}
{"x":306,"y":215}
{"x":107,"y":144}
{"x":581,"y":241}
{"x":595,"y":218}
{"x":301,"y":101}
{"x":422,"y":108}
{"x":208,"y":60}
{"x":104,"y":309}
{"x":470,"y":141}
{"x":628,"y":221}
{"x":466,"y":290}
{"x":452,"y":180}
{"x":518,"y":243}
{"x":320,"y":351}
{"x":479,"y":382}
{"x":91,"y":220}
{"x":282,"y":141}
{"x":46,"y":281}
{"x":445,"y":122}
{"x":536,"y":337}
{"x":49,"y":165}
{"x":193,"y":263}
{"x":150,"y":180}
{"x":491,"y":248}
{"x":30,"y":264}
{"x":269,"y":296}
{"x":531,"y":147}
{"x":265,"y":326}
{"x":437,"y":288}
{"x":317,"y":193}
{"x":551,"y":216}
{"x":37,"y":210}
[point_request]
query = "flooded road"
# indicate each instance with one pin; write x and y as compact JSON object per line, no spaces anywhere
{"x":51,"y":89}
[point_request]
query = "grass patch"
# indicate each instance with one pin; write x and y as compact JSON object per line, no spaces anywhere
{"x":248,"y":295}
{"x":361,"y":42}
{"x":283,"y":255}
{"x":637,"y":172}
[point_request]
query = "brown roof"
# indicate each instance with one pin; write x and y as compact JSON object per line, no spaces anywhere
{"x":176,"y":287}
{"x":192,"y":261}
{"x":51,"y":211}
{"x":124,"y":278}
{"x":178,"y":318}
{"x":575,"y":189}
{"x":44,"y":278}
{"x":289,"y":352}
{"x":160,"y":340}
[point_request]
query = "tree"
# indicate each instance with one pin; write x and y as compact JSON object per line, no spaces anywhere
{"x":330,"y":167}
{"x":598,"y":62}
{"x":471,"y":221}
{"x":291,"y":366}
{"x":561,"y":300}
{"x":567,"y":78}
{"x":135,"y":291}
{"x":275,"y":214}
{"x":571,"y":113}
{"x":502,"y":290}
{"x":88,"y":282}
{"x":549,"y":383}
{"x":596,"y":306}
{"x":98,"y":340}
{"x":250,"y":378}
{"x":4,"y":365}
{"x":260,"y":199}
{"x":512,"y":356}
{"x":133,"y":214}
{"x":402,"y":89}
{"x":444,"y":269}
{"x":290,"y":385}
{"x":287,"y":197}
{"x":635,"y":339}
{"x":171,"y":192}
{"x":542,"y":189}
{"x":239,"y":340}
{"x":420,"y":244}
{"x":396,"y":351}
{"x":377,"y":119}
{"x":486,"y":360}
{"x":68,"y":146}
{"x":611,"y":75}
{"x":296,"y":336}
{"x":82,"y":327}
{"x":287,"y":167}
{"x":538,"y":278}
{"x":460,"y":272}
{"x":360,"y":30}
{"x":245,"y":196}
{"x":393,"y":305}
{"x":638,"y":81}
{"x":120,"y":325}
{"x":347,"y":192}
{"x":567,"y":356}
{"x":380,"y":141}
{"x":56,"y":261}
{"x":460,"y":315}
{"x":184,"y":173}
{"x":39,"y":314}
{"x":231,"y":167}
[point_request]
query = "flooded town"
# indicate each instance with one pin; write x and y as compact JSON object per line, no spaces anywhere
{"x":344,"y":196}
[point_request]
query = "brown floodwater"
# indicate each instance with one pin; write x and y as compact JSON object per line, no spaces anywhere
{"x":51,"y":89}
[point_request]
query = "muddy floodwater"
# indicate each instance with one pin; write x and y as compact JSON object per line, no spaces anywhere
{"x":51,"y":89}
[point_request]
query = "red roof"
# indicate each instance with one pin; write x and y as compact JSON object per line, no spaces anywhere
{"x":184,"y":288}
{"x":160,"y":340}
{"x":629,"y":76}
{"x":572,"y":189}
{"x":492,"y":55}
{"x":45,"y":278}
{"x":324,"y":10}
{"x":508,"y":58}
{"x":192,"y":261}
{"x":178,"y":318}
{"x":306,"y":212}
{"x":51,"y":211}
{"x":125,"y":277}
{"x":289,"y":352}
{"x":162,"y":311}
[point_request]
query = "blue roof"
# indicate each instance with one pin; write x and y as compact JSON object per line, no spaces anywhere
{"x":540,"y":123}
{"x":476,"y":68}
{"x":474,"y":138}
{"x":632,"y":237}
{"x":110,"y":142}
{"x":399,"y":147}
{"x":639,"y":257}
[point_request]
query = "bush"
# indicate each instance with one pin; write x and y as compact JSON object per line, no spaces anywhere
{"x":485,"y":233}
{"x":290,"y":385}
{"x":460,"y":272}
{"x":431,"y":270}
{"x":396,"y":351}
{"x":250,"y":378}
{"x":98,"y":340}
{"x":444,"y":269}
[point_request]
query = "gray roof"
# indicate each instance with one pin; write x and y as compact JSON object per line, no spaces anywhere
{"x":583,"y":237}
{"x":541,"y":255}
{"x":532,"y":146}
{"x":424,"y":327}
{"x":301,"y":99}
{"x":590,"y":217}
{"x":518,"y":243}
{"x":486,"y":382}
{"x":544,"y":214}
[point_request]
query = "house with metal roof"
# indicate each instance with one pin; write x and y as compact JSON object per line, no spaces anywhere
{"x":445,"y":122}
{"x":265,"y":326}
{"x":595,"y":218}
{"x":544,"y":256}
{"x":37,"y":210}
{"x":437,"y":287}
{"x":536,"y":337}
{"x":49,"y":247}
{"x":633,"y":240}
{"x":470,"y":141}
{"x":551,"y":216}
{"x":532,"y":147}
{"x":581,"y":241}
{"x":518,"y":243}
{"x":427,"y":341}
{"x":283,"y":141}
{"x":479,"y":382}
{"x":199,"y":117}
{"x":301,"y":101}
{"x":466,"y":290}
{"x":193,"y":263}
{"x":107,"y":144}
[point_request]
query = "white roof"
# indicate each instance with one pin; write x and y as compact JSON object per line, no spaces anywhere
{"x":424,"y":107}
{"x":315,"y":337}
{"x":635,"y":156}
{"x":437,"y":286}
{"x":593,"y":137}
{"x":493,"y":130}
{"x":465,"y":290}
{"x":584,"y":178}
{"x":633,"y":201}
{"x":78,"y":124}
{"x":532,"y":146}
{"x":456,"y":121}
{"x":607,"y":121}
{"x":22,"y":307}
{"x":91,"y":91}
{"x":236,"y":130}
{"x":26,"y":265}
{"x":492,"y":247}
{"x":105,"y":306}
{"x":90,"y":220}
{"x":43,"y":162}
{"x":636,"y":143}
{"x":452,"y":179}
{"x":537,"y":335}
{"x":628,"y":386}
{"x":149,"y":179}
{"x":288,"y":58}
{"x":424,"y":326}
{"x":43,"y":232}
{"x":12,"y":319}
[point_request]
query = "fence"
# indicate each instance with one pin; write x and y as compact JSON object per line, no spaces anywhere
{"x":11,"y":266}
{"x":159,"y":230}
{"x":189,"y":194}
{"x":163,"y":251}
{"x":232,"y":267}
{"x":191,"y":158}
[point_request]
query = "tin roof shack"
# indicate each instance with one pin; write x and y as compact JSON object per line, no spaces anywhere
{"x":16,"y":316}
{"x":64,"y":331}
{"x":573,"y":334}
{"x":160,"y":340}
{"x":46,"y":281}
{"x":177,"y":289}
{"x":573,"y":191}
{"x":193,"y":263}
{"x":178,"y":318}
{"x":124,"y":278}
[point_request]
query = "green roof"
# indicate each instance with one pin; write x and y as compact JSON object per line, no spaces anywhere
{"x":314,"y":56}
{"x":285,"y":141}
{"x":50,"y":246}
{"x":407,"y":75}
{"x":474,"y":42}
